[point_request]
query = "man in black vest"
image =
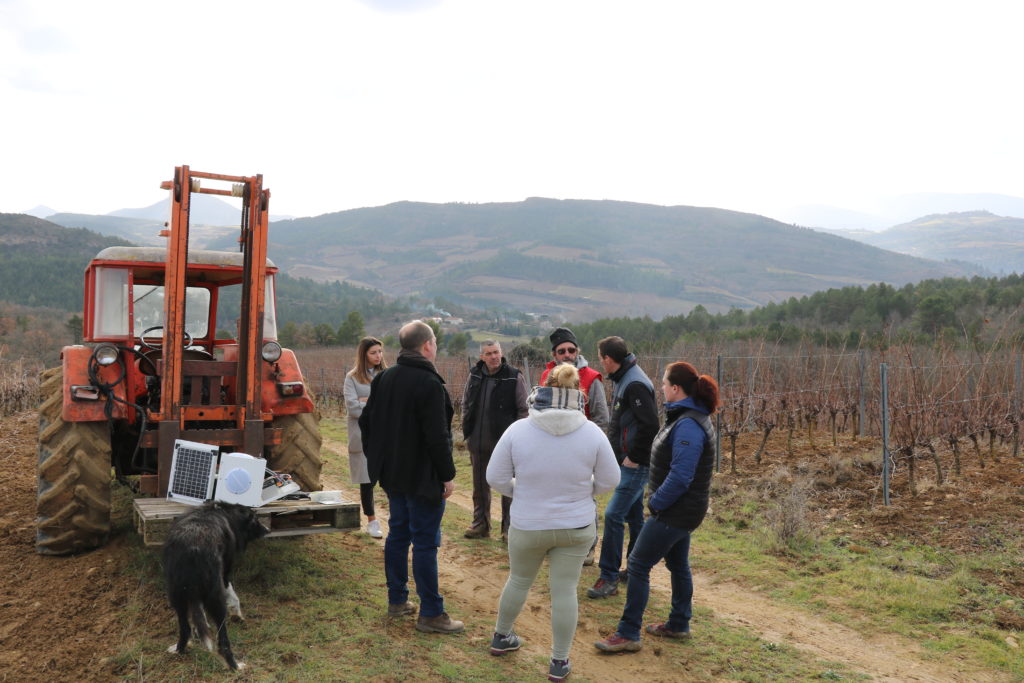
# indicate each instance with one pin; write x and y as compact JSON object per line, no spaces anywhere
{"x":495,"y":397}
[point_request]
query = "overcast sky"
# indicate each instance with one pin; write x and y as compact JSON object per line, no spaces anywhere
{"x":746,"y":105}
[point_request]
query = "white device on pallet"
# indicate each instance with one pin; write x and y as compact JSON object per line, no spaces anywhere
{"x":245,"y":480}
{"x":197,"y":476}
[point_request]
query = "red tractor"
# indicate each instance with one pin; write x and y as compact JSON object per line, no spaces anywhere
{"x":153,"y":371}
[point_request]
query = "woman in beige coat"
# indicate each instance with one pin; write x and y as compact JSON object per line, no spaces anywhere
{"x":369,"y":361}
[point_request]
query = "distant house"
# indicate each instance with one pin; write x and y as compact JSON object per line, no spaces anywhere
{"x":454,"y":322}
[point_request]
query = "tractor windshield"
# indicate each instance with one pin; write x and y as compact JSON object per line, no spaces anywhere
{"x":148,"y":308}
{"x":147,"y":305}
{"x":114,"y":299}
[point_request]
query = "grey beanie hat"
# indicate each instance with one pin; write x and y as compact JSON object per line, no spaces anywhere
{"x":562,"y":335}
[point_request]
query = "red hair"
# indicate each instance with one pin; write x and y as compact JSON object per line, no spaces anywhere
{"x":704,"y":388}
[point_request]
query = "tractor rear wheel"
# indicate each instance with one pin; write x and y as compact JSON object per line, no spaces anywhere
{"x":298,"y":454}
{"x":73,"y":495}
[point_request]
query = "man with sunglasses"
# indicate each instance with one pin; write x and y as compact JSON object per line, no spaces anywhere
{"x":564,"y":349}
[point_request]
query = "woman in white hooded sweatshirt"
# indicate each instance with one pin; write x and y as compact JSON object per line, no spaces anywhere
{"x":552,"y":464}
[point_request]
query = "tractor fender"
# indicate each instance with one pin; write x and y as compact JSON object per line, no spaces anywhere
{"x":75,"y":361}
{"x":285,"y":370}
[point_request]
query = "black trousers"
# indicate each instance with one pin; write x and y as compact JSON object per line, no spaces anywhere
{"x":482,"y":494}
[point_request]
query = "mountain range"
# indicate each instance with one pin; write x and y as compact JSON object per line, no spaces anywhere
{"x":993,"y":242}
{"x":583,"y":259}
{"x":142,"y":225}
{"x":900,"y":209}
{"x":571,"y":259}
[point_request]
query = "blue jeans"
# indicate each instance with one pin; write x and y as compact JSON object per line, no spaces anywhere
{"x":658,"y":540}
{"x":626,"y":504}
{"x":418,"y":523}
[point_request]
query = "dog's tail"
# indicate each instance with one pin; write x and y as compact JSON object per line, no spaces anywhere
{"x":199,"y":623}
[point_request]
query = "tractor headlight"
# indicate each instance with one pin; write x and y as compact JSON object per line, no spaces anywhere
{"x":271,"y":351}
{"x":105,"y":354}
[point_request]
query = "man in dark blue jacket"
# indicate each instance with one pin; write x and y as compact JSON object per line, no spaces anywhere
{"x":631,"y":430}
{"x":407,"y":439}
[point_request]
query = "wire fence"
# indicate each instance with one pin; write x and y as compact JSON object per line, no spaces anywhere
{"x":930,"y":403}
{"x":931,"y":408}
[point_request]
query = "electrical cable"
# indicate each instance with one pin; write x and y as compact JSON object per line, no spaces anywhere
{"x":107,"y":389}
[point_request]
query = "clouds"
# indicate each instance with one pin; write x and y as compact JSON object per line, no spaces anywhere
{"x":745,"y":105}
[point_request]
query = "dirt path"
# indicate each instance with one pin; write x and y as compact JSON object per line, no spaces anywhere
{"x":474,"y":585}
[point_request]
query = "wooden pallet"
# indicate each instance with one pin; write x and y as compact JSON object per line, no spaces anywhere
{"x":153,"y":517}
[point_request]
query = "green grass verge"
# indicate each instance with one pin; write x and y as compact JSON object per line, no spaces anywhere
{"x":315,"y":606}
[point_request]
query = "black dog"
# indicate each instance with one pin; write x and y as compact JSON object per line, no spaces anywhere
{"x":199,"y":554}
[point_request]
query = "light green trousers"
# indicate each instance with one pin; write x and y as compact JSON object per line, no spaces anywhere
{"x":566,"y":550}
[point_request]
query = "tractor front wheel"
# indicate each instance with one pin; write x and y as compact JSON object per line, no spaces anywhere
{"x":73,"y":495}
{"x":298,"y":454}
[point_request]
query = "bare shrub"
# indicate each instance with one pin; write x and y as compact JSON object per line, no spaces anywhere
{"x":838,"y":470}
{"x":19,"y":386}
{"x":786,"y":512}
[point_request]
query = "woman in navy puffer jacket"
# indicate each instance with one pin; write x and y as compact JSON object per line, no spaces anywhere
{"x":682,"y":459}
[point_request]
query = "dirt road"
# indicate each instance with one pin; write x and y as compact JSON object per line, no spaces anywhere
{"x":474,"y":585}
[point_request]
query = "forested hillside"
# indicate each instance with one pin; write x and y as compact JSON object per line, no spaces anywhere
{"x":42,"y":264}
{"x":974,"y":312}
{"x":585,"y":259}
{"x":994,"y":242}
{"x":42,"y":268}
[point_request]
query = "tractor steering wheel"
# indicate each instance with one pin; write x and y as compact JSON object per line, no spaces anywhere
{"x":156,"y":347}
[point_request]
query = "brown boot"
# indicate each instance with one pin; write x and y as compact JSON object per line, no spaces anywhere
{"x":477,"y":532}
{"x":442,"y":623}
{"x":402,"y":610}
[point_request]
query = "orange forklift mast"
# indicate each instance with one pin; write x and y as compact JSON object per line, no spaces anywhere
{"x":248,"y":435}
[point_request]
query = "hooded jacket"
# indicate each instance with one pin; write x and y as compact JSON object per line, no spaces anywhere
{"x":591,"y":386}
{"x":553,"y":463}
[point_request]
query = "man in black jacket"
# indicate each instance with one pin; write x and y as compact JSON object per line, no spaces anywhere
{"x":494,"y":398}
{"x":407,"y":439}
{"x":631,"y":429}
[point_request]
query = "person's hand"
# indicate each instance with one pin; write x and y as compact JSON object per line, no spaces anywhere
{"x":364,"y":399}
{"x":626,"y":462}
{"x":449,"y":489}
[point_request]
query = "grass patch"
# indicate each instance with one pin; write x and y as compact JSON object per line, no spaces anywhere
{"x":315,"y":605}
{"x":930,"y":595}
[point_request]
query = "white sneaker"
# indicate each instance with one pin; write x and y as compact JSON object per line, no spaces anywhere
{"x":373,"y":528}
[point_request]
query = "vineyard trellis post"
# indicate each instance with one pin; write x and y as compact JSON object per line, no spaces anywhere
{"x":884,"y":380}
{"x":862,"y":398}
{"x":1017,"y":371}
{"x":321,"y":391}
{"x":718,"y":421}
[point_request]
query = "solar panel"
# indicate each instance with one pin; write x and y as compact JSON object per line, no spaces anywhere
{"x":193,"y":471}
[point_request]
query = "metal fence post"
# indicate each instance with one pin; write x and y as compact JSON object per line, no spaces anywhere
{"x":861,"y":400}
{"x":718,"y":422}
{"x":1017,"y":372}
{"x":884,"y":379}
{"x":322,"y":391}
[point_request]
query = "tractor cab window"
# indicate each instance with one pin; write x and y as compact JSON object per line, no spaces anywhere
{"x":148,"y":306}
{"x":229,"y":309}
{"x":111,"y":302}
{"x":111,"y":305}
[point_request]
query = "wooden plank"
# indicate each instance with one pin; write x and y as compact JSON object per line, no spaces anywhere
{"x":153,"y":517}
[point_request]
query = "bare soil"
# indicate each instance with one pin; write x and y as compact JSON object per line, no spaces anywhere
{"x":62,"y":618}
